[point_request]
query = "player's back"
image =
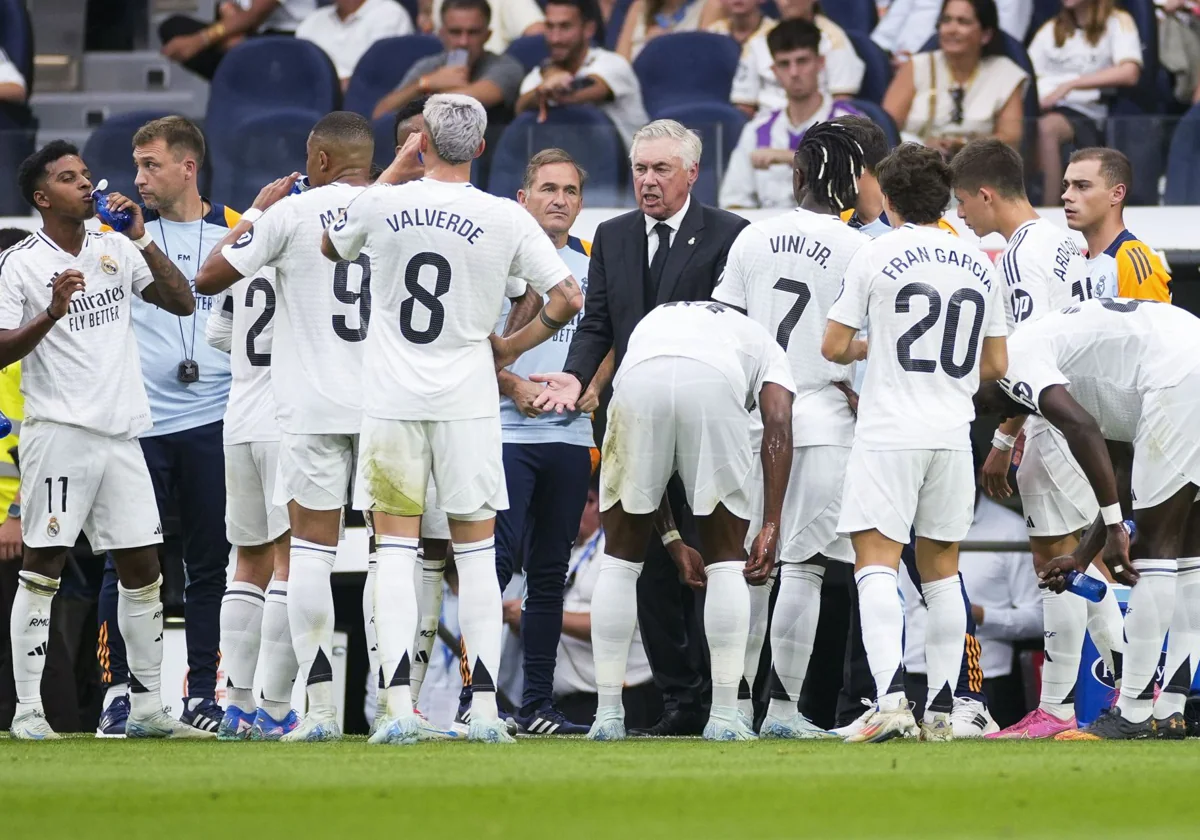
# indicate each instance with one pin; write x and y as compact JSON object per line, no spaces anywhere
{"x":1043,"y":271}
{"x":251,"y":415}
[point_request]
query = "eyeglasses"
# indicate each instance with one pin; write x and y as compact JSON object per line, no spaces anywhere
{"x":957,"y":94}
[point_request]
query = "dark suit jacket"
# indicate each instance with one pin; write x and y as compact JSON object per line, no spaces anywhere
{"x":617,"y":276}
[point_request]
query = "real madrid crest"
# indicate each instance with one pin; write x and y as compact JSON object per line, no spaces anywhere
{"x":52,"y":527}
{"x":108,"y":265}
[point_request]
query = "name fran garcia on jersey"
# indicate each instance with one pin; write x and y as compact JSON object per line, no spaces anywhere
{"x":921,"y":254}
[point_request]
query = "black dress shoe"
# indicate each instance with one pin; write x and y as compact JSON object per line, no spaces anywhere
{"x":673,"y":723}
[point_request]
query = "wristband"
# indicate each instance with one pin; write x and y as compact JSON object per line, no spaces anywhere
{"x":1003,"y":442}
{"x":551,"y":323}
{"x":50,"y":315}
{"x":252,"y":215}
{"x":145,"y":242}
{"x":1112,"y":514}
{"x":670,"y":537}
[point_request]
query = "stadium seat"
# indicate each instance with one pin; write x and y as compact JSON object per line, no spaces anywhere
{"x":612,"y":30}
{"x":382,"y":67}
{"x":878,"y":73}
{"x":385,"y":139}
{"x":530,"y":50}
{"x":1140,"y":135}
{"x":1146,"y":95}
{"x":719,"y":125}
{"x":108,"y":152}
{"x":269,"y":144}
{"x":880,"y":117}
{"x":1043,"y":10}
{"x":585,"y":132}
{"x":1183,"y":175}
{"x":685,"y":67}
{"x":852,"y":15}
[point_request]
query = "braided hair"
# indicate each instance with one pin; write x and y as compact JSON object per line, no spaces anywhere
{"x":832,"y":162}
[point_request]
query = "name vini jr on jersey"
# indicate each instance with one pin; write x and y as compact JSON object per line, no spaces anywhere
{"x":817,"y":252}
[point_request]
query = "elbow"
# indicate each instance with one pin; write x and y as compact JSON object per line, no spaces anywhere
{"x":185,"y":306}
{"x":994,"y":364}
{"x":830,"y":350}
{"x":327,"y":250}
{"x":206,"y":284}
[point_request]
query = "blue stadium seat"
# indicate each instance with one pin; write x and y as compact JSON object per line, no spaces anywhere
{"x":856,"y":15}
{"x":880,"y":117}
{"x":1183,"y":175}
{"x":384,"y":130}
{"x":1140,"y":135}
{"x":585,"y":132}
{"x":16,"y":38}
{"x":270,"y":143}
{"x":612,"y":30}
{"x":1146,"y":95}
{"x":878,"y":73}
{"x":530,"y":50}
{"x":685,"y":67}
{"x":719,"y":125}
{"x":108,"y":152}
{"x":1043,"y":10}
{"x":382,"y":67}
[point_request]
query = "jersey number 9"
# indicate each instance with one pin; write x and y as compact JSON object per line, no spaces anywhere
{"x":341,"y":291}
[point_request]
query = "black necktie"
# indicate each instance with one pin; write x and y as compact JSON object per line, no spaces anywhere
{"x":658,"y":263}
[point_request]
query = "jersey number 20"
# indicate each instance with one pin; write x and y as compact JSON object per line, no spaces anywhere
{"x":949,"y":332}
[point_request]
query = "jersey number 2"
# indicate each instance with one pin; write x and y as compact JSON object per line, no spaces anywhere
{"x":429,"y":300}
{"x":259,"y":284}
{"x":803,"y":295}
{"x":949,"y":333}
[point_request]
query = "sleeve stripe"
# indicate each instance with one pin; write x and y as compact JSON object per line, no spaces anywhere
{"x":1012,"y":267}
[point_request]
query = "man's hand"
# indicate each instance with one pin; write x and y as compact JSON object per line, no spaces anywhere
{"x":448,"y":78}
{"x":851,"y":396}
{"x":1052,"y":574}
{"x":688,"y":561}
{"x":183,"y":48}
{"x":556,"y":83}
{"x":512,"y":615}
{"x":561,"y":393}
{"x":762,"y":554}
{"x":10,"y":540}
{"x":523,"y":394}
{"x":65,"y":285}
{"x":137,"y":227}
{"x":977,"y":614}
{"x":766,"y":158}
{"x":1055,"y":96}
{"x":1116,"y":555}
{"x":502,"y":352}
{"x":274,"y":191}
{"x":590,"y":401}
{"x":406,"y":166}
{"x":994,"y":476}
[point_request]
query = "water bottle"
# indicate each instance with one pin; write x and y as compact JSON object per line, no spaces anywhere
{"x":5,"y":426}
{"x":119,"y":220}
{"x":300,"y":186}
{"x":1092,"y":588}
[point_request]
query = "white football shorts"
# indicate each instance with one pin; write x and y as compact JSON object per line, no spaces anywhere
{"x":897,"y":490}
{"x":668,"y":415}
{"x":1056,"y":496}
{"x":251,"y":515}
{"x":316,"y":471}
{"x":1166,"y":446}
{"x":74,"y":480}
{"x":811,"y":506}
{"x":464,"y":458}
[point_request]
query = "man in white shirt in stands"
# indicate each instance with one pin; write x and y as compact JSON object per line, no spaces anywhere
{"x":12,"y":81}
{"x":759,"y":173}
{"x":577,"y":73}
{"x":347,"y":28}
{"x":511,"y":19}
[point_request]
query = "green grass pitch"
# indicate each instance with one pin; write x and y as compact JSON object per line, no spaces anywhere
{"x":638,"y":790}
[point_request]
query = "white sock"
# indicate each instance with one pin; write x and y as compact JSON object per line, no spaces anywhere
{"x":241,"y":637}
{"x":614,"y":621}
{"x":945,"y":635}
{"x":139,"y":615}
{"x":1151,"y":605}
{"x":310,"y":614}
{"x":882,"y":631}
{"x":368,"y":608}
{"x":1183,"y":641}
{"x":1106,"y":626}
{"x":760,"y":615}
{"x":396,"y":617}
{"x":793,"y":629}
{"x":429,"y":602}
{"x":29,"y":631}
{"x":115,"y":691}
{"x":279,"y":666}
{"x":480,"y":617}
{"x":726,"y":624}
{"x":1064,"y":617}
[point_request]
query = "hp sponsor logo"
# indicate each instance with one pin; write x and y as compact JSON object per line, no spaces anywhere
{"x":1022,"y":305}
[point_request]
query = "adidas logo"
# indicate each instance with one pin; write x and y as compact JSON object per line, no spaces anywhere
{"x":40,"y":650}
{"x":158,"y":531}
{"x":1029,"y":522}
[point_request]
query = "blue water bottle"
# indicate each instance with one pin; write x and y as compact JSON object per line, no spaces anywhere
{"x":5,"y":426}
{"x":1092,"y":588}
{"x":302,"y":184}
{"x":119,"y":220}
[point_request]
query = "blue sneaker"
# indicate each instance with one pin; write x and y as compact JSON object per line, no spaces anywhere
{"x":202,"y":713}
{"x":548,"y":721}
{"x":266,"y":728}
{"x":112,"y":722}
{"x":236,"y":724}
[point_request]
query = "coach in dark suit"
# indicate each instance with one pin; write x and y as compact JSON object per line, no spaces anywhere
{"x":671,"y":248}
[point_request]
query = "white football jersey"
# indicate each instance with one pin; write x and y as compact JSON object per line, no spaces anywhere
{"x":712,"y":333}
{"x":1043,"y":271}
{"x":445,"y":254}
{"x":931,"y":299}
{"x":1109,"y":353}
{"x":322,"y":310}
{"x":86,"y":371}
{"x":785,"y":273}
{"x":250,"y":305}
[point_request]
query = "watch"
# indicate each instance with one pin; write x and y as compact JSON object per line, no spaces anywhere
{"x":14,"y":511}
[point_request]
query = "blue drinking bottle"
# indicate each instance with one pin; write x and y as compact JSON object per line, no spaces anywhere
{"x":5,"y":426}
{"x":117,"y":220}
{"x":300,"y":186}
{"x":1092,"y":588}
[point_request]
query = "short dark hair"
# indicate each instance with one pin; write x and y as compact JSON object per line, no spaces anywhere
{"x":471,"y":5}
{"x":11,"y":236}
{"x":832,"y":162}
{"x":343,"y":126}
{"x":408,"y":110}
{"x":177,"y":132}
{"x":989,"y":162}
{"x":916,"y":182}
{"x":795,"y":34}
{"x":1114,"y":166}
{"x":870,"y":137}
{"x":374,"y":173}
{"x":989,"y":20}
{"x":546,"y":157}
{"x":588,"y":9}
{"x":31,"y":174}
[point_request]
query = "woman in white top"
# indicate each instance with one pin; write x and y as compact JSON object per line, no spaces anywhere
{"x":963,"y":90}
{"x":1088,"y":47}
{"x":648,"y":19}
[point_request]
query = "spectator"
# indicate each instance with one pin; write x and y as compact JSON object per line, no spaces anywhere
{"x":510,"y":20}
{"x":1088,"y":46}
{"x":647,"y":19}
{"x":760,"y":169}
{"x":909,"y":24}
{"x":12,"y":82}
{"x":756,"y":88}
{"x":575,"y":675}
{"x":964,"y":89}
{"x":741,"y":20}
{"x":577,"y":73}
{"x":200,"y":47}
{"x":347,"y":29}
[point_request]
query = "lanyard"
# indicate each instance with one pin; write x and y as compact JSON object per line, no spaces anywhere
{"x":187,"y":354}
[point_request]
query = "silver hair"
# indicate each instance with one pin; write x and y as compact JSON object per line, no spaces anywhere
{"x":689,"y":142}
{"x":456,"y":124}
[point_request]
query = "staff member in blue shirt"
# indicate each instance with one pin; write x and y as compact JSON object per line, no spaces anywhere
{"x":188,"y":384}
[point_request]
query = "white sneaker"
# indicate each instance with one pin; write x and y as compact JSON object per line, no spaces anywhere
{"x":937,"y":727}
{"x":607,"y":729}
{"x":31,"y":725}
{"x":159,"y":724}
{"x":380,"y":721}
{"x":796,"y":728}
{"x":428,"y":732}
{"x":720,"y":729}
{"x":971,"y":719}
{"x":855,"y":726}
{"x":490,"y":732}
{"x":885,"y":725}
{"x":397,"y":731}
{"x":316,"y":727}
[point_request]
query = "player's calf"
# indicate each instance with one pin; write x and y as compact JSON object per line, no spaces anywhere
{"x":29,"y":632}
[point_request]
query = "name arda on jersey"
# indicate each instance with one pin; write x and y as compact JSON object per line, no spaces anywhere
{"x":921,"y":254}
{"x":817,"y":252}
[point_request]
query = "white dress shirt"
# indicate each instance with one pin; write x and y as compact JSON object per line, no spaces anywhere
{"x":9,"y":74}
{"x":345,"y":41}
{"x":673,"y":223}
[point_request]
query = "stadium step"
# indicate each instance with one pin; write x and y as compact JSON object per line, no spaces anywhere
{"x":135,"y":72}
{"x":71,"y":112}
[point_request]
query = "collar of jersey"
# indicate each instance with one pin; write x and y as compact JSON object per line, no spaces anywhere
{"x":53,"y":245}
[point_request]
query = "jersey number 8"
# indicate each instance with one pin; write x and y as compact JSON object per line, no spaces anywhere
{"x":431,"y":301}
{"x":949,"y":332}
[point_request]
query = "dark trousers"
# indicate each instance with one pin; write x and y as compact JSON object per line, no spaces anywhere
{"x":188,"y":472}
{"x":643,"y":706}
{"x":547,"y":490}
